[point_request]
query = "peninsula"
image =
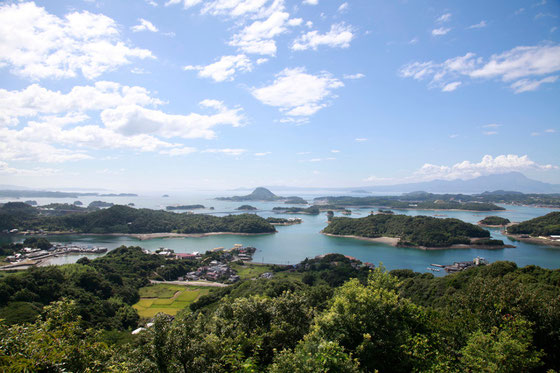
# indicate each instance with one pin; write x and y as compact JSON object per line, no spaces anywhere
{"x":542,"y":230}
{"x":421,"y":232}
{"x":17,"y":216}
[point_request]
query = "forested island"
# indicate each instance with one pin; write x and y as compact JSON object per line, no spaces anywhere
{"x":185,"y":207}
{"x":541,"y":230}
{"x":419,"y":201}
{"x":295,"y":201}
{"x":263,"y":194}
{"x":282,"y":221}
{"x":246,"y":208}
{"x":494,"y":221}
{"x":414,"y":231}
{"x":313,"y":210}
{"x":128,"y":220}
{"x":327,"y":314}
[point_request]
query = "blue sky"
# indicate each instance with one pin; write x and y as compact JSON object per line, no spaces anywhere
{"x":218,"y":94}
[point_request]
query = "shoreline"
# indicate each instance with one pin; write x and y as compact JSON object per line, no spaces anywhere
{"x":533,"y":240}
{"x":394,"y":241}
{"x":149,"y":236}
{"x":362,"y":207}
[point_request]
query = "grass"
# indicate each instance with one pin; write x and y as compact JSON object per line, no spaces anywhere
{"x":167,"y":298}
{"x":254,"y":270}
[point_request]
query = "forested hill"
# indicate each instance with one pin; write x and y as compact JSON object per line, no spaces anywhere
{"x":124,"y":219}
{"x":542,"y":226}
{"x":412,"y":230}
{"x":423,"y":201}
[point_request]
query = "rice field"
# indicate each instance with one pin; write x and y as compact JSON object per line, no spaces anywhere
{"x":167,"y":298}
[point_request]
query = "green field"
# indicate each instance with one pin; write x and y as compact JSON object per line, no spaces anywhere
{"x":167,"y":298}
{"x":254,"y":270}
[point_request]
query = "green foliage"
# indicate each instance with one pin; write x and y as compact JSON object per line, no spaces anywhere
{"x":124,"y":219}
{"x":541,"y":226}
{"x":312,"y":210}
{"x":412,"y":230}
{"x":494,"y":220}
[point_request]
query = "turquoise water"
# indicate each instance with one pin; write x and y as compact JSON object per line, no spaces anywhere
{"x":294,"y":243}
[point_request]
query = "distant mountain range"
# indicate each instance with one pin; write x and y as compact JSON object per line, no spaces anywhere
{"x":511,"y":181}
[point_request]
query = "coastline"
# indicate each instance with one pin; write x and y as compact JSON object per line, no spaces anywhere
{"x":361,"y":207}
{"x":534,"y":240}
{"x":394,"y":241}
{"x":149,"y":236}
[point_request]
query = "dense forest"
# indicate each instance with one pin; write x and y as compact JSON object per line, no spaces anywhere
{"x":542,"y":226}
{"x":337,"y":316}
{"x":124,"y":219}
{"x":412,"y":230}
{"x":404,"y":202}
{"x":312,"y":210}
{"x":494,"y":220}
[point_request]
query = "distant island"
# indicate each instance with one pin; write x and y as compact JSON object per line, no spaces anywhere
{"x":127,"y":220}
{"x":263,"y":194}
{"x":422,"y":232}
{"x":494,"y":221}
{"x":295,"y":201}
{"x":246,"y":208}
{"x":313,"y":210}
{"x":360,"y":191}
{"x":49,"y":194}
{"x":185,"y":207}
{"x":415,"y":200}
{"x":100,"y":204}
{"x":543,"y":230}
{"x":165,"y":196}
{"x":282,"y":221}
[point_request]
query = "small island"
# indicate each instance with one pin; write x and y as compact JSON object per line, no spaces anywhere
{"x":494,"y":221}
{"x":185,"y":207}
{"x":246,"y":208}
{"x":422,"y":232}
{"x":31,"y":203}
{"x":165,"y":196}
{"x":282,"y":221}
{"x":100,"y":204}
{"x":542,"y":230}
{"x":313,"y":210}
{"x":295,"y":201}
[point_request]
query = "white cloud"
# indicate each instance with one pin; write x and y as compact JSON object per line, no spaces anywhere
{"x":311,"y":2}
{"x":260,"y":61}
{"x":343,"y":7}
{"x":360,"y":139}
{"x":480,"y":24}
{"x":535,"y":134}
{"x":262,"y":154}
{"x":57,"y":127}
{"x":450,"y":87}
{"x":6,"y":169}
{"x":258,"y":37}
{"x":488,"y":165}
{"x":178,"y":151}
{"x":453,"y":136}
{"x":144,"y":25}
{"x":440,"y":31}
{"x":46,"y":46}
{"x":225,"y":68}
{"x":339,"y":36}
{"x":517,"y":65}
{"x":490,"y":133}
{"x":335,"y":151}
{"x":297,"y":93}
{"x":354,"y":76}
{"x":186,"y":3}
{"x":227,"y":151}
{"x":492,"y":125}
{"x":550,"y":130}
{"x":446,"y":17}
{"x":526,"y":85}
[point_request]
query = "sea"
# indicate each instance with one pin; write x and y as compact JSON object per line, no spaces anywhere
{"x":294,"y":243}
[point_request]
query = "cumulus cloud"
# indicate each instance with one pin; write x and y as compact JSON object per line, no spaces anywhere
{"x":57,"y":126}
{"x":339,"y":36}
{"x":354,"y":76}
{"x":144,"y":25}
{"x":6,"y":169}
{"x":297,"y":93}
{"x":488,"y":165}
{"x":515,"y":67}
{"x":225,"y":68}
{"x":46,"y":46}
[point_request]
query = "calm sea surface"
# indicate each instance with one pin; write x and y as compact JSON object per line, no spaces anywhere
{"x":294,"y":243}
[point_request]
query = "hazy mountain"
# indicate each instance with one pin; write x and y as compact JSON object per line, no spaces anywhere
{"x":511,"y":181}
{"x":259,"y":194}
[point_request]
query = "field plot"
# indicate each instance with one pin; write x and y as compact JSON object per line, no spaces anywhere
{"x":167,"y":298}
